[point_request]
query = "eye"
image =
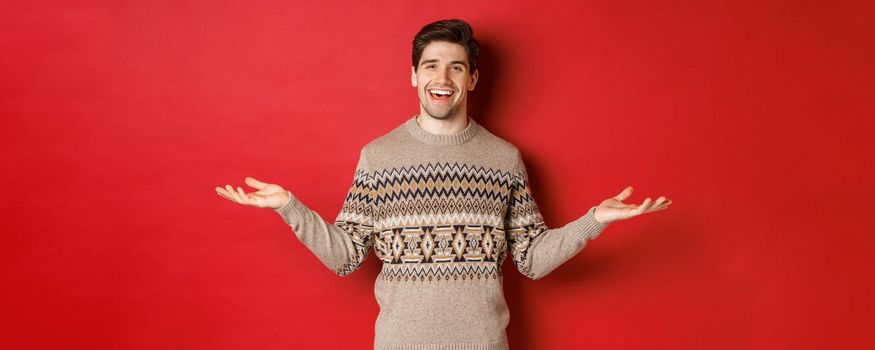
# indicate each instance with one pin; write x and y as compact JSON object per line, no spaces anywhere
{"x":429,"y":66}
{"x":457,"y":68}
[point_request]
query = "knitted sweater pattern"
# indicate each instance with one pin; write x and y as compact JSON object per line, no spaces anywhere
{"x":442,"y":212}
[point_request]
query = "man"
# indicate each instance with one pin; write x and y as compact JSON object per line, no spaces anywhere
{"x":442,"y":201}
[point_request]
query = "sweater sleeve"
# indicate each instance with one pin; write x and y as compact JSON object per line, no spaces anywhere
{"x":344,"y":244}
{"x":536,"y":249}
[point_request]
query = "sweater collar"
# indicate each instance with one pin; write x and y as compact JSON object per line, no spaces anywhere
{"x":435,"y":139}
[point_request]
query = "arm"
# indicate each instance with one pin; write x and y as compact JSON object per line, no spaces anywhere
{"x":343,"y":245}
{"x":536,"y":249}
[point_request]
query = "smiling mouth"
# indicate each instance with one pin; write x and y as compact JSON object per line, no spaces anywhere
{"x":441,"y":95}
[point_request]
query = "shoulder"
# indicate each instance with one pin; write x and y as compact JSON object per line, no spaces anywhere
{"x":499,"y":144}
{"x":390,"y":140}
{"x":504,"y":151}
{"x":382,"y":145}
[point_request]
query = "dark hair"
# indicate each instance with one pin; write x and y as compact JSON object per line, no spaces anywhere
{"x":454,"y":31}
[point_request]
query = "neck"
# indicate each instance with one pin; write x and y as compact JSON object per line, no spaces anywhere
{"x":451,"y":125}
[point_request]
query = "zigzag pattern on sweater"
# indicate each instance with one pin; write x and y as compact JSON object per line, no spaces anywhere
{"x":440,"y":213}
{"x":439,"y":205}
{"x":437,"y":220}
{"x":441,"y":180}
{"x":358,"y":205}
{"x":438,"y":272}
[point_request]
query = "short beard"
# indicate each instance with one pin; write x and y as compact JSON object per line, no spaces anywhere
{"x":437,"y":114}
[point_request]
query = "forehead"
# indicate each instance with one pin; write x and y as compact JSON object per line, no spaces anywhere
{"x":444,"y":51}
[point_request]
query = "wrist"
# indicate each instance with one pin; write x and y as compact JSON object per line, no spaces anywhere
{"x":287,"y":197}
{"x":596,"y":216}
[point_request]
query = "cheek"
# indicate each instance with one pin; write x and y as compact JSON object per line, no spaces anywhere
{"x":463,"y":87}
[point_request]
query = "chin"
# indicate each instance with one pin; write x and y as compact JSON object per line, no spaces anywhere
{"x":440,"y":114}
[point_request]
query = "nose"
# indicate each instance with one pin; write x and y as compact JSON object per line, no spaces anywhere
{"x":443,"y":76}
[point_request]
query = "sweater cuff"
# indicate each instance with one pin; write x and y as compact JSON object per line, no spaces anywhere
{"x":590,"y":228}
{"x":293,"y":211}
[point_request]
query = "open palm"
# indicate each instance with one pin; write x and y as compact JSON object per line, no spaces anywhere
{"x":613,"y":209}
{"x":268,"y":195}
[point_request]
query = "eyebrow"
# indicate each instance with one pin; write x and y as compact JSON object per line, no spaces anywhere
{"x":436,"y":60}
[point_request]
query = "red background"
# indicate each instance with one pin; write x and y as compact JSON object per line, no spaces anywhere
{"x":119,"y":119}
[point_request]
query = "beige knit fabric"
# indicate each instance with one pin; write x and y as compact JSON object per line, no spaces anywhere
{"x":442,"y":212}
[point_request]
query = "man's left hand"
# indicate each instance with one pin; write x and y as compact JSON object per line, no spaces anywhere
{"x":613,"y":209}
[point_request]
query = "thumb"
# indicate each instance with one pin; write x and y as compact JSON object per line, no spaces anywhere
{"x":624,"y":194}
{"x":252,"y":182}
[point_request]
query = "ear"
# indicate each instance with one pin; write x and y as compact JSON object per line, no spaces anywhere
{"x":413,"y":76}
{"x":473,"y":81}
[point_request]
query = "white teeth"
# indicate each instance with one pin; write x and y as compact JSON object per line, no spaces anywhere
{"x":441,"y":92}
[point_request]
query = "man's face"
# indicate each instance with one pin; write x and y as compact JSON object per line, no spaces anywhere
{"x":442,"y":79}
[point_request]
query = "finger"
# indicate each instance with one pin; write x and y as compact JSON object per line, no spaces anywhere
{"x":664,"y":205}
{"x":643,"y":206}
{"x":221,"y":192}
{"x":230,"y":196}
{"x":243,"y":195}
{"x":252,"y":182}
{"x":233,"y":194}
{"x":624,"y":194}
{"x":658,"y":201}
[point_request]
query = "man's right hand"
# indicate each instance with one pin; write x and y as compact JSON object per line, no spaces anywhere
{"x":268,"y":195}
